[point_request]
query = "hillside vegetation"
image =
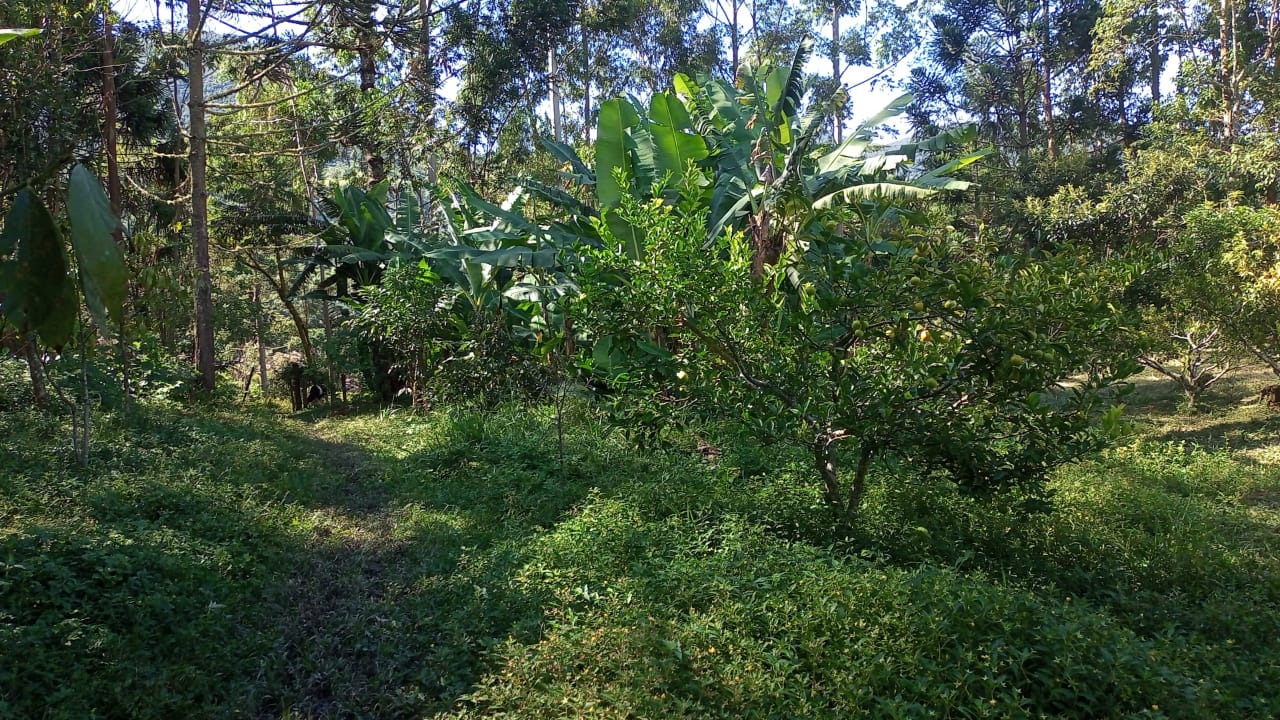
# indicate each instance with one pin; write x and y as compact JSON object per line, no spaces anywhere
{"x":227,"y":561}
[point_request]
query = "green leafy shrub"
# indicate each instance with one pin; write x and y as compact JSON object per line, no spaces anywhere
{"x":685,"y":617}
{"x":940,"y":353}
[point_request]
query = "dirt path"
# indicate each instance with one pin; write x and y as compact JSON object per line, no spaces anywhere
{"x":335,"y":614}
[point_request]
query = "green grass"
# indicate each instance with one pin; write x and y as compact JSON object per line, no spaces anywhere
{"x":231,"y":562}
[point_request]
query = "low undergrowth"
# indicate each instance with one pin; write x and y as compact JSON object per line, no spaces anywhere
{"x":227,"y":562}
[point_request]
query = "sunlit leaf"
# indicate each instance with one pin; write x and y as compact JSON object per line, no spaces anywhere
{"x":103,"y":273}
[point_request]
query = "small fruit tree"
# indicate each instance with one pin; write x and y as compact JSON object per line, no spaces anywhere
{"x":933,"y":351}
{"x":803,"y":290}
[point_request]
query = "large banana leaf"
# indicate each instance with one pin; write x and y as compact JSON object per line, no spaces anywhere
{"x":7,"y":34}
{"x":673,"y":135}
{"x":890,"y":191}
{"x":501,"y":215}
{"x":559,"y":197}
{"x":581,"y":174}
{"x":614,"y":148}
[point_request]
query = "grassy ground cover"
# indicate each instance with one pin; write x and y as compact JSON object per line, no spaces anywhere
{"x":230,"y":562}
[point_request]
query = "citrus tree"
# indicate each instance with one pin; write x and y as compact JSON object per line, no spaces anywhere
{"x":759,"y":275}
{"x":932,"y":351}
{"x":1224,"y":268}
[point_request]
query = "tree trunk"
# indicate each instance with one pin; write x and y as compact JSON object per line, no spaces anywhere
{"x":327,"y":322}
{"x":837,"y":118}
{"x":262,"y":346}
{"x":197,"y":158}
{"x":86,"y":421}
{"x":367,"y":51}
{"x":428,"y":78}
{"x":113,"y":174}
{"x":845,"y":503}
{"x":553,"y":79}
{"x":586,"y":76}
{"x":39,"y":390}
{"x":1051,"y":140}
{"x":304,"y":336}
{"x":1155,"y":63}
{"x":735,"y":42}
{"x":1226,"y":68}
{"x":824,"y":457}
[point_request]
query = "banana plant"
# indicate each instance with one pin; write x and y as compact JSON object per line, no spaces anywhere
{"x":7,"y":34}
{"x":749,"y":159}
{"x":495,"y":258}
{"x":355,"y":248}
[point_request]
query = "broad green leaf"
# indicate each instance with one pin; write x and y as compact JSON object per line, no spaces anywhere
{"x":408,"y":212}
{"x":478,"y":275}
{"x":7,"y":34}
{"x":59,"y":326}
{"x":601,"y":353}
{"x":845,"y":154}
{"x":654,"y":349}
{"x":774,"y":85}
{"x":498,"y":213}
{"x":631,"y":237}
{"x":684,"y":87}
{"x":559,"y":197}
{"x":794,"y":86}
{"x":38,"y":293}
{"x":582,"y":174}
{"x":895,"y":107}
{"x":612,"y":151}
{"x":729,"y":201}
{"x":957,"y":164}
{"x":887,"y":190}
{"x":646,"y":157}
{"x":725,"y":102}
{"x":103,"y":274}
{"x":672,"y":135}
{"x":667,"y":109}
{"x":882,"y":162}
{"x":505,"y":257}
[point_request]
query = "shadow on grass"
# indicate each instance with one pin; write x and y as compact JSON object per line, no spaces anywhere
{"x":211,"y":563}
{"x":1255,"y":432}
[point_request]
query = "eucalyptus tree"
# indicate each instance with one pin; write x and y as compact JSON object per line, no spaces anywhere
{"x":631,"y":47}
{"x":760,"y":32}
{"x":502,"y":51}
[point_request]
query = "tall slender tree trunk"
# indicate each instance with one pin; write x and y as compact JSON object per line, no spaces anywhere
{"x":426,"y":52}
{"x":586,"y":75}
{"x":1227,"y":68}
{"x":1051,"y":139}
{"x":1155,"y":61}
{"x":262,"y":346}
{"x":553,"y":79}
{"x":735,"y":40}
{"x":197,"y":159}
{"x":837,"y":118}
{"x":113,"y":175}
{"x":368,"y":45}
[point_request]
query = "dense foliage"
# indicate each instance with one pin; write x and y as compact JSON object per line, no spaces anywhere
{"x":227,"y":560}
{"x":620,"y":358}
